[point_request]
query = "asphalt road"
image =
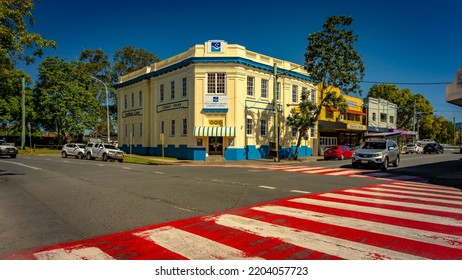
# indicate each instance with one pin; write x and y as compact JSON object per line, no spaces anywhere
{"x":46,"y":200}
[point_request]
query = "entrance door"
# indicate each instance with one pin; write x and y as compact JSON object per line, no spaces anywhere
{"x":215,"y":145}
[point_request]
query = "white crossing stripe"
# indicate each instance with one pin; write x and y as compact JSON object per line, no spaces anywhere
{"x":88,"y":253}
{"x":346,"y":172}
{"x":298,"y":169}
{"x":381,"y":211}
{"x":267,"y":187}
{"x":330,"y":245}
{"x":453,"y":193}
{"x":320,"y":170}
{"x":391,"y":202}
{"x":431,"y":237}
{"x":192,"y":246}
{"x":408,"y":195}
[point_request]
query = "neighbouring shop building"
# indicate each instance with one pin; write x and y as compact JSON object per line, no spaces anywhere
{"x":214,"y":100}
{"x":348,"y":128}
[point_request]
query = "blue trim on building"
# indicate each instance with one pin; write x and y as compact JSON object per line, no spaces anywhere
{"x":248,"y":153}
{"x":235,"y":154}
{"x":195,"y":60}
{"x":209,"y":110}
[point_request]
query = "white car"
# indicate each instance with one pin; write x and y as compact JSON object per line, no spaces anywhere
{"x":413,"y":148}
{"x":73,"y":149}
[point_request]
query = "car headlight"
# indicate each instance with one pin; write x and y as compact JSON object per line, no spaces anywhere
{"x":380,"y":154}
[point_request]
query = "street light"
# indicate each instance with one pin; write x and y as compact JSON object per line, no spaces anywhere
{"x":107,"y":108}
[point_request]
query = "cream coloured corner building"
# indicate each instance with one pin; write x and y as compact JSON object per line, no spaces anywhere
{"x":214,"y":100}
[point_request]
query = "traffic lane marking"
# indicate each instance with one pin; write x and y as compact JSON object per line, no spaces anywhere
{"x":281,"y":236}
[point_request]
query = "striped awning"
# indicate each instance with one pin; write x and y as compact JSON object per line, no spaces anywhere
{"x":220,"y":131}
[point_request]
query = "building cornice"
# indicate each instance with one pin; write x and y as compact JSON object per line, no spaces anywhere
{"x":197,"y":60}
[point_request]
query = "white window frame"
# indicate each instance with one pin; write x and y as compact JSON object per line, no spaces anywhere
{"x":216,"y":83}
{"x":184,"y":87}
{"x":264,"y":88}
{"x":172,"y":90}
{"x":249,"y":125}
{"x":314,"y":96}
{"x":162,"y":127}
{"x":140,"y":98}
{"x":294,"y":94}
{"x":161,"y":92}
{"x":125,"y":101}
{"x":278,"y":91}
{"x":184,"y":130}
{"x":293,"y":131}
{"x":250,"y":86}
{"x":133,"y":100}
{"x":172,"y":128}
{"x":263,"y":127}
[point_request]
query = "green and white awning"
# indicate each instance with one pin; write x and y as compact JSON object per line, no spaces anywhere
{"x":218,"y":131}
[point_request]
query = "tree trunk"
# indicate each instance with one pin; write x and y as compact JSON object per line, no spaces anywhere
{"x":299,"y":142}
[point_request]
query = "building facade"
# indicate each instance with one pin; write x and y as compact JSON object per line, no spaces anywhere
{"x":214,"y":100}
{"x":336,"y":128}
{"x":381,"y":115}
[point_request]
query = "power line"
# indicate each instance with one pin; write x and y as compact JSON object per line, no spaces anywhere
{"x":409,"y":83}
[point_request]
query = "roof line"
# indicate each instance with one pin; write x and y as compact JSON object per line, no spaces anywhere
{"x":195,"y":60}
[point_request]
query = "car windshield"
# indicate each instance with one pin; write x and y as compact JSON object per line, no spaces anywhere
{"x":81,"y":146}
{"x":331,"y":148}
{"x":374,"y":145}
{"x":411,"y":145}
{"x":112,"y":147}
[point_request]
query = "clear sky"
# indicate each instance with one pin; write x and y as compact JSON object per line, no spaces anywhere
{"x":401,"y":41}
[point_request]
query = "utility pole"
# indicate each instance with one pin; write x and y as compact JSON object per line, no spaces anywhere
{"x":413,"y":125}
{"x":275,"y":105}
{"x":23,"y":109}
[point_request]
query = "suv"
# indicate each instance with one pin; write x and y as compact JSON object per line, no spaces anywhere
{"x":377,"y":153}
{"x":104,"y":151}
{"x":7,"y":149}
{"x":73,"y":149}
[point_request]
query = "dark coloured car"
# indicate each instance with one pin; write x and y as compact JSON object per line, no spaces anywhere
{"x":339,"y":151}
{"x":433,"y":148}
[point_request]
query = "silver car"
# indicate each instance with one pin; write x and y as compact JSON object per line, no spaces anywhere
{"x":73,"y":149}
{"x":379,"y":153}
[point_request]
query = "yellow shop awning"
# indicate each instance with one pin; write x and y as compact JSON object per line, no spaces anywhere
{"x":220,"y":131}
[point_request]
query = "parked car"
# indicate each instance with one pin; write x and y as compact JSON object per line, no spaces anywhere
{"x":104,"y":151}
{"x":433,"y":148}
{"x":413,"y":148}
{"x":338,"y":151}
{"x":379,"y":153}
{"x":73,"y":149}
{"x":424,"y":142}
{"x":7,"y":149}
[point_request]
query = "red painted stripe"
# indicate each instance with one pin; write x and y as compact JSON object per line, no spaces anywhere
{"x":398,"y":244}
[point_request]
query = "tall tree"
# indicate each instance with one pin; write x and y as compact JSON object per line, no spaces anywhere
{"x":129,"y":59}
{"x":64,"y":98}
{"x":16,"y":44}
{"x":333,"y":64}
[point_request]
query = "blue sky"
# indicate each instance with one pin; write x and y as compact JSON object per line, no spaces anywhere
{"x":401,"y":41}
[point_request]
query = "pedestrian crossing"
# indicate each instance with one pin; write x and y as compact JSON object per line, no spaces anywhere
{"x":387,"y":221}
{"x":346,"y":172}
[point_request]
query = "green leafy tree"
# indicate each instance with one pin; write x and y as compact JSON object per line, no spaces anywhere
{"x":333,"y":64}
{"x":16,"y":44}
{"x":411,"y":107}
{"x":98,"y":65}
{"x":64,"y":98}
{"x":129,"y":59}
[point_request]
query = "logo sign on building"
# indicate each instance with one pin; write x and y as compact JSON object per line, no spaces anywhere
{"x":215,"y":102}
{"x":216,"y":46}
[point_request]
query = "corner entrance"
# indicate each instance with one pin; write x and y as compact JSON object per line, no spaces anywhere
{"x":215,"y":145}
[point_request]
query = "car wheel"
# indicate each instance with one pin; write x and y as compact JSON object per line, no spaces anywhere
{"x":342,"y":157}
{"x":355,"y":165}
{"x":385,"y":164}
{"x":396,"y":163}
{"x":80,"y":156}
{"x":89,"y":157}
{"x":63,"y":154}
{"x":104,"y":157}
